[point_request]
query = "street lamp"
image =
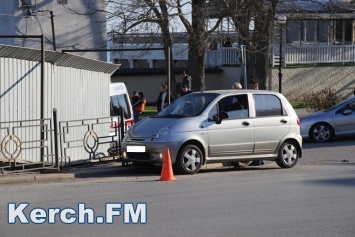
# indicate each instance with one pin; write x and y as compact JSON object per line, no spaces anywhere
{"x":281,"y":19}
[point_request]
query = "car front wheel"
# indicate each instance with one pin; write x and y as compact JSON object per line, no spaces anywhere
{"x":321,"y":132}
{"x":189,"y":160}
{"x":288,"y":155}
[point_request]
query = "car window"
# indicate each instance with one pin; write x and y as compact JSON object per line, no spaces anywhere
{"x":236,"y":106}
{"x":189,"y":105}
{"x":119,"y":103}
{"x":347,"y":106}
{"x":352,"y":106}
{"x":212,"y":115}
{"x":268,"y":105}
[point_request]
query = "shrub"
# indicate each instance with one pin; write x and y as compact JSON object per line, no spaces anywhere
{"x":320,"y":100}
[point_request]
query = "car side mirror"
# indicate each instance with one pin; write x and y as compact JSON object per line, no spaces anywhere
{"x":347,"y":111}
{"x":222,"y":115}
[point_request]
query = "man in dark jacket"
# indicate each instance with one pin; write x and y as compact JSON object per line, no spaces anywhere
{"x":185,"y":90}
{"x":186,"y":79}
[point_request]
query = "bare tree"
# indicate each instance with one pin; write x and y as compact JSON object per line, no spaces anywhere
{"x":255,"y":37}
{"x":198,"y":40}
{"x":159,"y":16}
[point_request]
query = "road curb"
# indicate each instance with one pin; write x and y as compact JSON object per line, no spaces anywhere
{"x":78,"y":173}
{"x":27,"y":178}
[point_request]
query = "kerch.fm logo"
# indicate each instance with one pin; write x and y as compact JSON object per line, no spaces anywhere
{"x":130,"y":214}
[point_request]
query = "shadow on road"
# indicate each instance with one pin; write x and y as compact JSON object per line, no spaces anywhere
{"x":134,"y":171}
{"x":334,"y":143}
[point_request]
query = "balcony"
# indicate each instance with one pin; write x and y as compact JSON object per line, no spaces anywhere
{"x":231,"y":56}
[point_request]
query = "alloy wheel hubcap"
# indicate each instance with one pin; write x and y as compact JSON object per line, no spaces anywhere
{"x":289,"y":154}
{"x":192,"y":160}
{"x":321,"y":133}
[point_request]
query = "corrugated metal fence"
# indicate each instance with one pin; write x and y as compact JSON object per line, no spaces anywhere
{"x":77,"y":87}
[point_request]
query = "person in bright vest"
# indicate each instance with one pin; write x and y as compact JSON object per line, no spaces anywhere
{"x":138,"y":107}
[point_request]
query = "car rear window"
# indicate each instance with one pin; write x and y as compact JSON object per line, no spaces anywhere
{"x":268,"y":105}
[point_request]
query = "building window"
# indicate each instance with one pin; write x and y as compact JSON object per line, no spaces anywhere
{"x":343,"y":31}
{"x":28,"y":3}
{"x":62,"y":1}
{"x":308,"y":31}
{"x":323,"y":31}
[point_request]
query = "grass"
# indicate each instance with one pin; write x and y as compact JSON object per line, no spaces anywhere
{"x":149,"y":110}
{"x":310,"y":65}
{"x":297,"y":104}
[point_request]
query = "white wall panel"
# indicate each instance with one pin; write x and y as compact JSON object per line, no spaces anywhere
{"x":76,"y":94}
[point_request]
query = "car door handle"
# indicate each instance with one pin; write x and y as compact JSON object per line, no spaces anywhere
{"x":283,"y":121}
{"x":246,"y":123}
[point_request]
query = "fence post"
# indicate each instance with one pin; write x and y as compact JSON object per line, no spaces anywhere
{"x":55,"y":126}
{"x":121,"y":135}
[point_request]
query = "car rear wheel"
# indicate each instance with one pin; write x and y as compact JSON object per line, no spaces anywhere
{"x":241,"y":163}
{"x":288,"y":155}
{"x":189,"y":160}
{"x":321,"y":132}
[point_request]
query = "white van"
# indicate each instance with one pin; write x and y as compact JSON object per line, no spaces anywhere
{"x":120,"y":100}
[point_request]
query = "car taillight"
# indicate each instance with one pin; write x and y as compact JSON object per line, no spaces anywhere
{"x":298,"y":122}
{"x":129,"y":123}
{"x":115,"y":125}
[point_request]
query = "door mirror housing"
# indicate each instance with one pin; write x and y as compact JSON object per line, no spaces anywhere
{"x":347,"y":111}
{"x":221,"y":116}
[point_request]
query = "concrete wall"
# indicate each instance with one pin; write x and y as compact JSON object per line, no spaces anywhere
{"x":295,"y":82}
{"x":150,"y":85}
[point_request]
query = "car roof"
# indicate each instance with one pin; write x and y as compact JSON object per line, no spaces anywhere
{"x":241,"y":91}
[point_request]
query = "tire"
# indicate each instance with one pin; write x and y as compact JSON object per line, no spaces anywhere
{"x":189,"y":160}
{"x":288,"y":155}
{"x":321,"y":132}
{"x":241,"y":163}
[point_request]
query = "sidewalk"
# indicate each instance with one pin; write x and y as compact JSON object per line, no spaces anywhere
{"x":112,"y":168}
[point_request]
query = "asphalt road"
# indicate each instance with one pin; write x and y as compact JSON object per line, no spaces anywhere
{"x":315,"y":198}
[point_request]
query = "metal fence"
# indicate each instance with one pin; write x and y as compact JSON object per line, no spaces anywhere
{"x":22,"y":147}
{"x":87,"y":138}
{"x":315,"y":54}
{"x":63,"y":144}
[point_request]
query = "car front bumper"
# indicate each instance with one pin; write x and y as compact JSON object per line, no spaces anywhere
{"x":153,"y":151}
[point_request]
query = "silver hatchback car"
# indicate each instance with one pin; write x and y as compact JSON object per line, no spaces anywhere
{"x":237,"y":126}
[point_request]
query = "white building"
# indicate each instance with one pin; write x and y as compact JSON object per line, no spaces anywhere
{"x":57,"y":21}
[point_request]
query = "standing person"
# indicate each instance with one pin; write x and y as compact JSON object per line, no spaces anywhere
{"x":185,"y":90}
{"x":186,"y":79}
{"x":138,"y":107}
{"x":135,"y":97}
{"x":254,"y":85}
{"x":237,"y":86}
{"x":162,"y":100}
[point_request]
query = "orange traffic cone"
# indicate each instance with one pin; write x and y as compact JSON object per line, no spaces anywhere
{"x":167,"y":169}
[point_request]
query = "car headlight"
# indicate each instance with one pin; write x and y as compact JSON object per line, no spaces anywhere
{"x":129,"y":132}
{"x":162,"y":133}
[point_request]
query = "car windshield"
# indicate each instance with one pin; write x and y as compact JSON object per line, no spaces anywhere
{"x":341,"y":103}
{"x":188,"y":106}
